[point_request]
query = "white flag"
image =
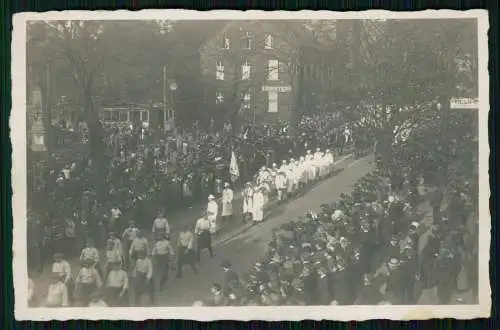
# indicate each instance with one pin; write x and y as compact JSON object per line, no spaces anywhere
{"x":234,"y":170}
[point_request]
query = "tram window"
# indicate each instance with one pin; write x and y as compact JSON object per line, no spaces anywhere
{"x":135,"y":116}
{"x":107,"y":115}
{"x":144,"y":116}
{"x":114,"y":116}
{"x":123,"y":115}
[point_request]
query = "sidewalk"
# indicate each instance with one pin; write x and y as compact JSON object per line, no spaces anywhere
{"x":189,"y":216}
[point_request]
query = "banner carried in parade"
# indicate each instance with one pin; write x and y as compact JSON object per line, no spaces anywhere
{"x":234,"y":170}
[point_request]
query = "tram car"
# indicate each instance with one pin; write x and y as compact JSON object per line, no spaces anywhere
{"x":154,"y":116}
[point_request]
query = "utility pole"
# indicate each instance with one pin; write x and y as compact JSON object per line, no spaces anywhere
{"x":46,"y":110}
{"x":164,"y":90}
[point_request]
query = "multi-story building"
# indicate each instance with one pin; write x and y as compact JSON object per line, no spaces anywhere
{"x":255,"y":68}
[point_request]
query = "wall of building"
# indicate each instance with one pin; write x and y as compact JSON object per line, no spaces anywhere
{"x":258,"y":58}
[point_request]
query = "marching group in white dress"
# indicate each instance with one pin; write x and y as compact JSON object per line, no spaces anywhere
{"x":276,"y":182}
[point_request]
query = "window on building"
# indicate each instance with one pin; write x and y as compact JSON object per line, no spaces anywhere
{"x":247,"y":98}
{"x":247,"y":41}
{"x":226,"y":43}
{"x":219,"y":75}
{"x":272,"y":105}
{"x":219,"y":98}
{"x":245,"y":71}
{"x":273,"y":70}
{"x":268,"y":42}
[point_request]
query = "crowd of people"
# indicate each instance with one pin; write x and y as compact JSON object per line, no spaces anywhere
{"x":131,"y":259}
{"x":363,"y":249}
{"x":142,"y":171}
{"x":74,"y":232}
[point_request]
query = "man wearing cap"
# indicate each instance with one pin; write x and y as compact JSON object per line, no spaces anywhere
{"x":86,"y":282}
{"x":212,"y":213}
{"x":230,"y":275}
{"x":116,"y":215}
{"x":90,"y":252}
{"x":162,"y":254}
{"x":113,"y":255}
{"x":227,"y":203}
{"x":217,"y":298}
{"x":128,"y":236}
{"x":61,"y":267}
{"x":160,"y":224}
{"x":185,"y":252}
{"x":297,"y":296}
{"x":204,"y":238}
{"x":339,"y":277}
{"x":140,"y":243}
{"x":57,"y":293}
{"x":395,"y":281}
{"x":142,"y":275}
{"x":370,"y":294}
{"x":323,"y":290}
{"x":117,"y":242}
{"x":117,"y":285}
{"x":280,"y":182}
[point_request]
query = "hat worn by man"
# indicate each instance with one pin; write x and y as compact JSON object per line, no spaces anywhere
{"x":58,"y":256}
{"x":211,"y":197}
{"x":226,"y":185}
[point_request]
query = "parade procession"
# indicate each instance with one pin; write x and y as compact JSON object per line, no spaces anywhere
{"x":320,"y":185}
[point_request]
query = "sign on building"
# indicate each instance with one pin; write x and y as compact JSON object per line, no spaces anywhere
{"x":277,"y":89}
{"x":464,"y":103}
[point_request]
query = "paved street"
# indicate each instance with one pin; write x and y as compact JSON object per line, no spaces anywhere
{"x":248,"y":244}
{"x":244,"y":244}
{"x":236,"y":230}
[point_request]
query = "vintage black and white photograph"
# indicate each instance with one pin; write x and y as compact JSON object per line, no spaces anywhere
{"x":248,"y":159}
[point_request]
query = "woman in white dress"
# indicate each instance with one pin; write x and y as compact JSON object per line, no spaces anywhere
{"x":248,"y":193}
{"x":227,"y":202}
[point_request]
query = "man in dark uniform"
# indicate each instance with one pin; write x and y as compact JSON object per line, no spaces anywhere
{"x":370,"y":294}
{"x":185,"y":251}
{"x":436,"y":199}
{"x":142,"y":275}
{"x":395,"y":282}
{"x":217,"y":298}
{"x":230,"y":276}
{"x":297,"y":295}
{"x":162,"y":254}
{"x":204,"y":238}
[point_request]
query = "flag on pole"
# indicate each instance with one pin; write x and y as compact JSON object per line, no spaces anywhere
{"x":234,"y":170}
